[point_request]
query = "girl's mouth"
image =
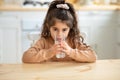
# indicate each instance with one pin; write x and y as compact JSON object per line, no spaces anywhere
{"x":59,"y":39}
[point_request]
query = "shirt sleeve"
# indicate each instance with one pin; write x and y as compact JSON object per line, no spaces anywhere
{"x":83,"y":53}
{"x":36,"y":53}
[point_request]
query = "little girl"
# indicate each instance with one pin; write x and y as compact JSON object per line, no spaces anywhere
{"x":60,"y":22}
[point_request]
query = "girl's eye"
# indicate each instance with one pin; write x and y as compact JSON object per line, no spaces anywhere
{"x":64,"y":30}
{"x":55,"y":29}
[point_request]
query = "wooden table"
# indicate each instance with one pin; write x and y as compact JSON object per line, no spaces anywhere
{"x":101,"y":70}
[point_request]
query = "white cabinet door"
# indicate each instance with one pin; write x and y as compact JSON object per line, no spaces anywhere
{"x":0,"y":46}
{"x":118,"y":42}
{"x":101,"y":30}
{"x":31,"y":22}
{"x":118,"y":36}
{"x":9,"y":39}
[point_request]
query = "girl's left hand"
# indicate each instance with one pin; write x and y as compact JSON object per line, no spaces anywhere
{"x":66,"y":48}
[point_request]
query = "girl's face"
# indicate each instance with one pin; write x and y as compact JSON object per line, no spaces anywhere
{"x":59,"y":30}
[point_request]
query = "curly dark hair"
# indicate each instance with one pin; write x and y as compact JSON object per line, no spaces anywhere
{"x":66,"y":15}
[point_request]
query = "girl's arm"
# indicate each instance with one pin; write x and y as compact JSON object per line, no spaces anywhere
{"x":37,"y":53}
{"x":83,"y":54}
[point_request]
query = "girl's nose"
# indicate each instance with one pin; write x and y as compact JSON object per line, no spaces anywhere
{"x":60,"y":33}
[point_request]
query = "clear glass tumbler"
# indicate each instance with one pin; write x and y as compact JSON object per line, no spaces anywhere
{"x":58,"y":40}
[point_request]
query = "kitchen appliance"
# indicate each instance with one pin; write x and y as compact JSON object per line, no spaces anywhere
{"x":36,"y":3}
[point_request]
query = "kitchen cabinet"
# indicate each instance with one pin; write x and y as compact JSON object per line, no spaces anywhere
{"x":10,"y":41}
{"x":100,"y":28}
{"x":14,"y":35}
{"x":31,"y":22}
{"x":118,"y":36}
{"x":118,"y":42}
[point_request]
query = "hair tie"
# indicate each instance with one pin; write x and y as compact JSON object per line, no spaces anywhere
{"x":64,"y":6}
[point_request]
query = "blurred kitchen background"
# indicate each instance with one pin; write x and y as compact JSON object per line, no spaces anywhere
{"x":21,"y":21}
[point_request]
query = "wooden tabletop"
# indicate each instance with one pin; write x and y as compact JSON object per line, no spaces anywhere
{"x":100,"y":70}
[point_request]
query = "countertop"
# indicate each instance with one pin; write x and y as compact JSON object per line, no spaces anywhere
{"x":94,"y":7}
{"x":100,"y":70}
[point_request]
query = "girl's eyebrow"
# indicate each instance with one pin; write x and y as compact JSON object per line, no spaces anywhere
{"x":54,"y":27}
{"x":65,"y":28}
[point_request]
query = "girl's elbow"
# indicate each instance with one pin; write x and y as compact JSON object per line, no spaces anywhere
{"x":93,"y":59}
{"x":26,"y":58}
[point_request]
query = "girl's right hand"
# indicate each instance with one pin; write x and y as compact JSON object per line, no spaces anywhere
{"x":55,"y":49}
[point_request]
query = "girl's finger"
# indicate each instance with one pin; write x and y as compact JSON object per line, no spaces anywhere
{"x":64,"y":51}
{"x":64,"y":47}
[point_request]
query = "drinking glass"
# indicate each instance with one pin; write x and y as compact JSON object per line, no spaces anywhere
{"x":58,"y":41}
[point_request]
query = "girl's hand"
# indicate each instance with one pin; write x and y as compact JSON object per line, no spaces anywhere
{"x":55,"y":49}
{"x":66,"y":48}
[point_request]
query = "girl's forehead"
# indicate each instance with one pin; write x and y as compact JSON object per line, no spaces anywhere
{"x":60,"y":24}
